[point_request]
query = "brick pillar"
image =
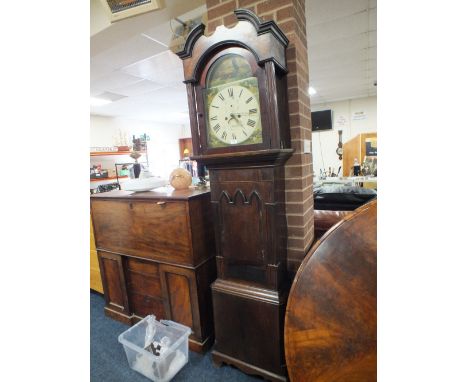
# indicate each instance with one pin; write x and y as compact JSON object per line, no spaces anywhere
{"x":290,"y":17}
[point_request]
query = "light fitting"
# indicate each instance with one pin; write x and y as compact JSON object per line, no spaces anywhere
{"x":98,"y":101}
{"x":312,"y":91}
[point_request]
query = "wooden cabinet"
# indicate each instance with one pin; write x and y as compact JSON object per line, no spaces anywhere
{"x":185,"y":144}
{"x":355,"y":148}
{"x":157,"y":256}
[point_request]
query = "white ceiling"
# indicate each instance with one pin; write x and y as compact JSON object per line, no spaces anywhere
{"x":130,"y":59}
{"x":342,"y":49}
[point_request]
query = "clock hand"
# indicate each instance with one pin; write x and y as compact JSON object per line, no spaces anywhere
{"x":231,"y":118}
{"x":237,"y":119}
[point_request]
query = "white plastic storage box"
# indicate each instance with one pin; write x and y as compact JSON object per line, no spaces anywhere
{"x":158,"y":350}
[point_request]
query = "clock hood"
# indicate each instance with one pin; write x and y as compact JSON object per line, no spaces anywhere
{"x":264,"y":39}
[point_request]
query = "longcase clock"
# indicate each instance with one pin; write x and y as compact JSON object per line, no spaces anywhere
{"x":237,"y":95}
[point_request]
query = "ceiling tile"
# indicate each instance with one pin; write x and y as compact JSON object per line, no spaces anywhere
{"x":97,"y":71}
{"x":114,"y":80}
{"x":323,"y":11}
{"x":138,"y":88}
{"x":339,"y":28}
{"x":165,"y":105}
{"x":162,"y":32}
{"x":344,"y":45}
{"x":338,"y":60}
{"x":373,"y":19}
{"x":111,"y":96}
{"x":128,"y":51}
{"x":164,"y":69}
{"x":373,"y":38}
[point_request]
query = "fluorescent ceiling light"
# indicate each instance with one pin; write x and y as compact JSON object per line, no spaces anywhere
{"x":312,"y":91}
{"x":99,"y":101}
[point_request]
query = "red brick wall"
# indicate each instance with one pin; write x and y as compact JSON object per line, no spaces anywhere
{"x":290,"y":17}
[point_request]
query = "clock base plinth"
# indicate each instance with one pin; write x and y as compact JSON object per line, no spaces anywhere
{"x":249,"y":324}
{"x":220,"y":358}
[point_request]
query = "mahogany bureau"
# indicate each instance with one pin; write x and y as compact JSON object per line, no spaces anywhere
{"x":156,"y":255}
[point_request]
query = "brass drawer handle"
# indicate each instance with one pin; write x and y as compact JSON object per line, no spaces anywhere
{"x":161,"y":203}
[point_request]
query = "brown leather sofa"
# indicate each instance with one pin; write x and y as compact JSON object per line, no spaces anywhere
{"x":333,"y":202}
{"x":325,"y":219}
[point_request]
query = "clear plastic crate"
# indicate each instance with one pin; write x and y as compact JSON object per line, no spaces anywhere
{"x":173,"y":338}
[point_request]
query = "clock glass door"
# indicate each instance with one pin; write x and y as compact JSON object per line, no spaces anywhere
{"x":232,"y":103}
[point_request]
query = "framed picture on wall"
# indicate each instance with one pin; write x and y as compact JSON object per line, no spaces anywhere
{"x":369,"y":166}
{"x":371,"y":146}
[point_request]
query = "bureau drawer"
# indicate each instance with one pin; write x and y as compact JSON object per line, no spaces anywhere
{"x":144,"y":305}
{"x":156,"y":230}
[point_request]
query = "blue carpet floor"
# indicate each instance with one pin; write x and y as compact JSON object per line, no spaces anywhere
{"x":109,"y":363}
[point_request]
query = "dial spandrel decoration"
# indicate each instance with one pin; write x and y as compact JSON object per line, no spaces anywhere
{"x":232,"y":104}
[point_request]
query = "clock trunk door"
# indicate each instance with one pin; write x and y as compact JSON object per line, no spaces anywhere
{"x":242,"y":240}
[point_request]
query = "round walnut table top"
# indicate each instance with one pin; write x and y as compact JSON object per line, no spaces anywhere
{"x":331,"y":316}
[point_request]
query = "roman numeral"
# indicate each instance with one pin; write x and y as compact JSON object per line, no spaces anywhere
{"x":221,"y":96}
{"x":251,"y":111}
{"x":224,"y":135}
{"x":214,"y":118}
{"x":251,"y":123}
{"x":217,"y":107}
{"x":216,"y":127}
{"x":231,"y":92}
{"x":241,"y":92}
{"x":249,"y":99}
{"x":234,"y":136}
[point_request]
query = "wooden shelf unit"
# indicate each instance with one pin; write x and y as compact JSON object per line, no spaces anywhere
{"x":105,"y":153}
{"x":108,"y":178}
{"x":185,"y":143}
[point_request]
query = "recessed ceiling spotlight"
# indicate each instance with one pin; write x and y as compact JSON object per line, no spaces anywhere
{"x":98,"y":101}
{"x":312,"y":91}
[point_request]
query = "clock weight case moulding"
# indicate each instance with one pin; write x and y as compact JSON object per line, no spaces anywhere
{"x":237,"y":95}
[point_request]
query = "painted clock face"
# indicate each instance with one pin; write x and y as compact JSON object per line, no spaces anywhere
{"x":233,"y":115}
{"x":232,"y":103}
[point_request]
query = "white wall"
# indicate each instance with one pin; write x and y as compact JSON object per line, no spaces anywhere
{"x":324,"y":143}
{"x":163,"y":147}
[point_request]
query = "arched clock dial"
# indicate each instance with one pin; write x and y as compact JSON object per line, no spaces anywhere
{"x":234,"y":114}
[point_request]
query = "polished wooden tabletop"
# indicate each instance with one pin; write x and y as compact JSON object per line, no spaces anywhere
{"x":331,"y":317}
